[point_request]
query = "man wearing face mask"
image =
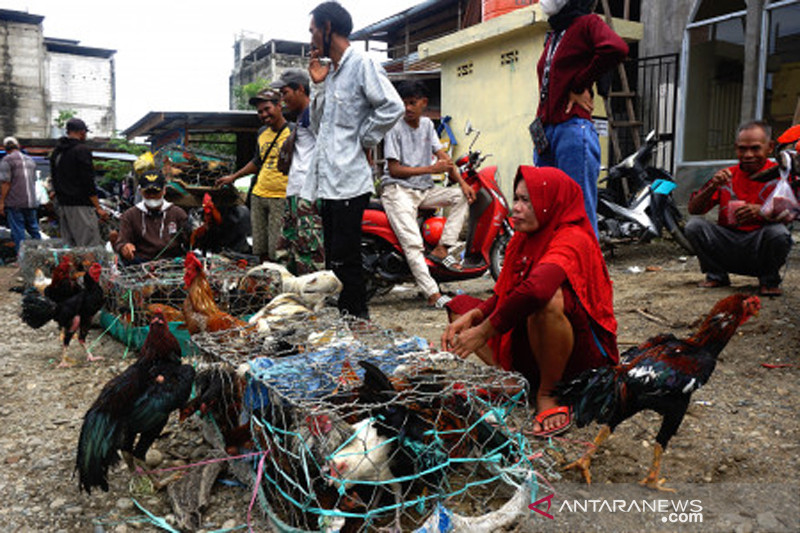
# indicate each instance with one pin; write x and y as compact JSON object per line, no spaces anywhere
{"x":578,"y":51}
{"x":153,"y":228}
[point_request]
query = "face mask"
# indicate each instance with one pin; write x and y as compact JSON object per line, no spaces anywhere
{"x":153,"y":204}
{"x":551,"y":7}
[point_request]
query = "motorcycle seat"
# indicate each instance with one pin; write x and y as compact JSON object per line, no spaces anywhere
{"x":376,"y":205}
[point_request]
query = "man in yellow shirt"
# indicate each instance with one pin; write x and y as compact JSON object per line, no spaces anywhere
{"x":269,"y":192}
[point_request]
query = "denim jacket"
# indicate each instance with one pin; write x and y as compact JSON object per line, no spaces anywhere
{"x":351,"y":110}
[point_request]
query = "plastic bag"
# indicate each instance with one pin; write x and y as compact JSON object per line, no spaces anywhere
{"x":781,"y":203}
{"x":144,"y":162}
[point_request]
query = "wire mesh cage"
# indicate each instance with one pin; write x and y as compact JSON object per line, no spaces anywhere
{"x":362,"y":428}
{"x":192,"y":166}
{"x":135,"y":292}
{"x":44,"y":255}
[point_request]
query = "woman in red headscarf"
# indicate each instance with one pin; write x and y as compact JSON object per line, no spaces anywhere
{"x":551,"y":315}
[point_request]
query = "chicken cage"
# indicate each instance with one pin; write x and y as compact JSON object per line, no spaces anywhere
{"x":40,"y":257}
{"x":361,"y":428}
{"x":134,"y":293}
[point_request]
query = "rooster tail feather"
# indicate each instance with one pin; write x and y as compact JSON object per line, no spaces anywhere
{"x":37,"y":310}
{"x":592,"y":395}
{"x":97,"y":450}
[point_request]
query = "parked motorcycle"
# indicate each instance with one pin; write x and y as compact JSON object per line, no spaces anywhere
{"x":488,"y":232}
{"x":787,"y":155}
{"x":637,"y":203}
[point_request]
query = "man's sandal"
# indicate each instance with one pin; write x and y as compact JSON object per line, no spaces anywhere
{"x":766,"y":290}
{"x":713,"y":284}
{"x":449,"y":262}
{"x":440,"y":302}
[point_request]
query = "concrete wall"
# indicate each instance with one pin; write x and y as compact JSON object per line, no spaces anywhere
{"x":268,"y":68}
{"x":489,"y":78}
{"x":84,"y":84}
{"x":22,"y":95}
{"x":663,"y":23}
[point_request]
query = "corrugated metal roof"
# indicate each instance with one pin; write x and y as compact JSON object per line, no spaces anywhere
{"x":159,"y":122}
{"x":67,"y":46}
{"x":20,"y":16}
{"x":377,"y":30}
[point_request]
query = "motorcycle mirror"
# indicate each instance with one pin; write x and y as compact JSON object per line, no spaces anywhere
{"x":468,"y":128}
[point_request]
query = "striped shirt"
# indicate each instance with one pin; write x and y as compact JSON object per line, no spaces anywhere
{"x":20,"y":170}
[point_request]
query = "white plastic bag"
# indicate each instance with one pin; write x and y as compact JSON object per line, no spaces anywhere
{"x":781,"y":203}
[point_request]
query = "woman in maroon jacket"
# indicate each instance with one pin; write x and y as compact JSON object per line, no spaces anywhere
{"x":551,"y":315}
{"x":579,"y":50}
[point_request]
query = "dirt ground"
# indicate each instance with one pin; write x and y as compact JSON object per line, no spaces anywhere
{"x":735,"y":456}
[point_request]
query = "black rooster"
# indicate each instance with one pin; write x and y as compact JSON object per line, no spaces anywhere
{"x":62,"y":284}
{"x":137,"y":402}
{"x":71,"y":312}
{"x":659,"y":375}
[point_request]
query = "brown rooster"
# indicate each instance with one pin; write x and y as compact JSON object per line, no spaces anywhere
{"x":659,"y":375}
{"x":200,"y":312}
{"x":219,"y":394}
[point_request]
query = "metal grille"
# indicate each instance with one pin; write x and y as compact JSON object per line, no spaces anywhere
{"x":655,"y":81}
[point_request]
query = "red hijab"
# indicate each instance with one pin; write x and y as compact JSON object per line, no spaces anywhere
{"x":565,"y":238}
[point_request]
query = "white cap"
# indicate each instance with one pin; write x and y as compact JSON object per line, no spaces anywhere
{"x":10,"y":140}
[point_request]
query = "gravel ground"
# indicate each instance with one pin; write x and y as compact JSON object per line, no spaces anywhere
{"x":735,"y":456}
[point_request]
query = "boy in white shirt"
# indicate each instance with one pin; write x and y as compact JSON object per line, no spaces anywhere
{"x":413,"y":152}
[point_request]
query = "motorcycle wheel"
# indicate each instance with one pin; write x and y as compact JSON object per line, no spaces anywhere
{"x":373,"y":283}
{"x":497,"y":254}
{"x":673,"y":221}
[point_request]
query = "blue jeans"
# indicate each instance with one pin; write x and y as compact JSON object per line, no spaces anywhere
{"x":22,"y":219}
{"x":575,"y":149}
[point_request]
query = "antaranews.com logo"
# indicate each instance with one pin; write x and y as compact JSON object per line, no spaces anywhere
{"x":669,"y":511}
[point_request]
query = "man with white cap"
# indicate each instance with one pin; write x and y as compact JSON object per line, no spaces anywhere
{"x":18,"y":192}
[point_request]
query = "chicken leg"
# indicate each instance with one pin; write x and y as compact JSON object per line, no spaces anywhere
{"x":89,"y":356}
{"x":66,"y":361}
{"x":583,"y":463}
{"x":652,"y":481}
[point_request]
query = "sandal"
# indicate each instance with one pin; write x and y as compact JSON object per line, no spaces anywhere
{"x":440,"y":302}
{"x":712,"y":284}
{"x":766,"y":290}
{"x":449,"y":262}
{"x":553,"y":411}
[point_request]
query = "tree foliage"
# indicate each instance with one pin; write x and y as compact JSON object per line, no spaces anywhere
{"x":63,"y":116}
{"x":243,"y":93}
{"x":114,"y":169}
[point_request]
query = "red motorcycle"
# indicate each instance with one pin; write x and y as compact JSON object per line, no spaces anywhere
{"x":488,"y":233}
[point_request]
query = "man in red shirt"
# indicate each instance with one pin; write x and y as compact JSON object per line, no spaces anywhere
{"x":743,"y":241}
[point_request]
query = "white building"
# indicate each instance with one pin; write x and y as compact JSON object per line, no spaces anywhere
{"x":42,"y":77}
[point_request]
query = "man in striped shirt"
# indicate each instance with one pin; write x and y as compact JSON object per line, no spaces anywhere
{"x":18,"y":193}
